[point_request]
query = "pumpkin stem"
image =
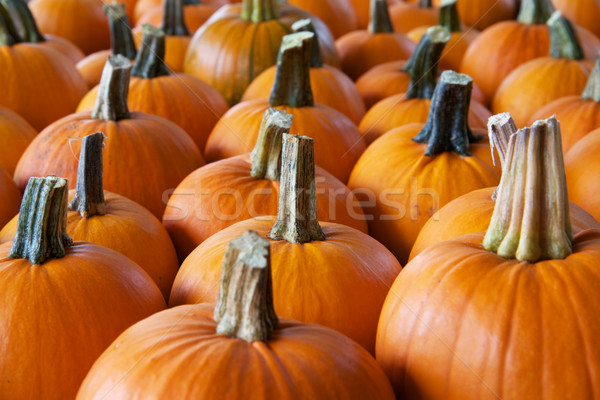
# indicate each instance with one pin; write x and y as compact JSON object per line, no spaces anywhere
{"x":448,"y":17}
{"x":563,"y":39}
{"x":379,"y":21}
{"x":306,"y":25}
{"x":121,"y":38}
{"x":297,"y":216}
{"x":592,"y":87}
{"x":111,"y":102}
{"x":191,"y":2}
{"x":292,"y":80}
{"x":423,"y":63}
{"x":260,"y":10}
{"x":425,"y":3}
{"x":29,"y":31}
{"x":173,"y":19}
{"x":531,"y":217}
{"x":447,"y":128}
{"x":535,"y":12}
{"x":89,"y":192}
{"x":42,"y":225}
{"x":266,"y":156}
{"x":8,"y":32}
{"x":500,"y":128}
{"x":245,"y":309}
{"x":150,"y":61}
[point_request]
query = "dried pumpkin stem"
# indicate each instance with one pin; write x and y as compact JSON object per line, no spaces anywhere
{"x":531,"y":217}
{"x":42,"y":226}
{"x":297,"y":220}
{"x":292,"y":80}
{"x":535,"y":12}
{"x":447,"y":127}
{"x":150,"y":61}
{"x":306,"y":25}
{"x":260,"y":10}
{"x":29,"y":31}
{"x":563,"y":39}
{"x":121,"y":38}
{"x":111,"y":102}
{"x":266,"y":156}
{"x":173,"y":19}
{"x":423,"y":64}
{"x":425,"y":3}
{"x":244,"y":309}
{"x":500,"y":128}
{"x":8,"y":33}
{"x":380,"y":21}
{"x":448,"y":16}
{"x":191,"y":2}
{"x":89,"y":192}
{"x":592,"y":87}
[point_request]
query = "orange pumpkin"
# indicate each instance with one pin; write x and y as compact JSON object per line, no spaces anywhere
{"x":338,"y":15}
{"x":481,"y":14}
{"x":144,"y":6}
{"x":61,"y":303}
{"x":584,"y":13}
{"x":11,"y":198}
{"x":195,"y":14}
{"x":238,"y":188}
{"x":15,"y":136}
{"x":425,"y":166}
{"x":323,"y":272}
{"x":183,"y":99}
{"x":338,"y":141}
{"x":408,"y":16}
{"x":138,"y":145}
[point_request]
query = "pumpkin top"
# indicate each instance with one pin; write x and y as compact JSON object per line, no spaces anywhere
{"x":173,"y":19}
{"x":266,"y":155}
{"x":260,"y":10}
{"x":500,"y":128}
{"x":563,"y":39}
{"x":448,"y":16}
{"x":592,"y":87}
{"x":306,"y":25}
{"x":111,"y":102}
{"x":8,"y":33}
{"x":42,"y":225}
{"x":150,"y":60}
{"x":29,"y":31}
{"x":380,"y":21}
{"x":121,"y":38}
{"x":531,"y":216}
{"x":535,"y":12}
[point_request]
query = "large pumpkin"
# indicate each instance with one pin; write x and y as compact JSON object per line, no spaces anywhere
{"x":145,"y":155}
{"x":15,"y":136}
{"x":61,"y":303}
{"x":10,"y":196}
{"x":407,"y":16}
{"x":338,"y":15}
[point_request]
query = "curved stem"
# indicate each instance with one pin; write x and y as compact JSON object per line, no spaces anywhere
{"x":379,"y":21}
{"x":592,"y":87}
{"x":245,"y":309}
{"x":150,"y":61}
{"x":121,"y":38}
{"x":535,"y":12}
{"x":8,"y":33}
{"x":531,"y":217}
{"x":89,"y":192}
{"x":260,"y":10}
{"x":266,"y":155}
{"x":448,"y":17}
{"x":447,"y":127}
{"x":42,"y":226}
{"x":563,"y":39}
{"x":29,"y":32}
{"x":173,"y":19}
{"x":306,"y":25}
{"x":292,"y":80}
{"x":111,"y":103}
{"x":423,"y":64}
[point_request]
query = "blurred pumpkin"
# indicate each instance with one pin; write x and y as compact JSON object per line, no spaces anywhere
{"x":195,"y":14}
{"x":15,"y":136}
{"x":338,"y":15}
{"x":407,"y":16}
{"x":11,"y":198}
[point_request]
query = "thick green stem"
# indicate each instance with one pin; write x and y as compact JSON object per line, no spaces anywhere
{"x":111,"y":102}
{"x":29,"y":31}
{"x":531,"y":217}
{"x":266,"y":156}
{"x":448,"y":17}
{"x":42,"y":225}
{"x":121,"y":38}
{"x":423,"y":64}
{"x":150,"y":61}
{"x":380,"y":21}
{"x":260,"y":10}
{"x":447,"y":127}
{"x":89,"y":192}
{"x":8,"y":33}
{"x":563,"y":39}
{"x":173,"y":19}
{"x":592,"y":87}
{"x":292,"y":80}
{"x":306,"y":25}
{"x":245,"y":309}
{"x":535,"y":12}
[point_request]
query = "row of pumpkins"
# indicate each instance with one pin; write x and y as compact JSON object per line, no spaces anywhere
{"x":273,"y":164}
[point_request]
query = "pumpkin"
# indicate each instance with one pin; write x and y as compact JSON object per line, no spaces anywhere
{"x":247,"y":186}
{"x":481,"y":14}
{"x":144,"y":6}
{"x":408,"y":16}
{"x":338,"y":15}
{"x":425,"y":166}
{"x":195,"y":14}
{"x":361,"y":50}
{"x":62,"y":302}
{"x":15,"y":136}
{"x":183,"y":99}
{"x":11,"y":198}
{"x":138,"y":145}
{"x":505,"y":313}
{"x":324,"y":273}
{"x":245,"y":38}
{"x":330,"y":86}
{"x":37,"y":82}
{"x":121,"y":41}
{"x":584,"y":13}
{"x":338,"y":141}
{"x":538,"y":82}
{"x":192,"y":345}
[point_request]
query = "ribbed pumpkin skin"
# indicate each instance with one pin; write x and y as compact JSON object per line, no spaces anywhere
{"x":330,"y":87}
{"x":10,"y":198}
{"x":194,"y":15}
{"x":58,"y":317}
{"x":296,"y":363}
{"x":538,"y":82}
{"x":585,"y":13}
{"x":222,"y":193}
{"x":15,"y":136}
{"x":406,"y":16}
{"x":471,"y":213}
{"x":464,"y":323}
{"x":91,"y":67}
{"x":38,"y":83}
{"x":338,"y":15}
{"x":340,"y":282}
{"x":582,"y":168}
{"x":143,"y":157}
{"x":183,"y":99}
{"x":337,"y":141}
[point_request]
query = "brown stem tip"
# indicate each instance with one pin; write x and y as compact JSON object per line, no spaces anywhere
{"x":89,"y":192}
{"x":266,"y":156}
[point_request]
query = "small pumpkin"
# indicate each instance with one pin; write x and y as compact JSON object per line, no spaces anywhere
{"x":144,"y":6}
{"x":584,"y":13}
{"x":11,"y":198}
{"x":15,"y":136}
{"x":195,"y":14}
{"x":407,"y":16}
{"x":338,"y":15}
